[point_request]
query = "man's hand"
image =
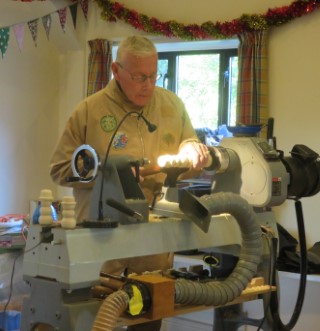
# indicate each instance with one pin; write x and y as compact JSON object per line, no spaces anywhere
{"x":197,"y":153}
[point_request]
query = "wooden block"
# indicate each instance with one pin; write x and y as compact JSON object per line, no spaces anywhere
{"x":162,"y":294}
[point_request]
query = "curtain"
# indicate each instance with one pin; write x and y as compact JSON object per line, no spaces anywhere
{"x":99,"y":65}
{"x":252,"y":104}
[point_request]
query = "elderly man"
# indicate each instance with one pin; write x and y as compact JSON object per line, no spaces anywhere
{"x":95,"y":119}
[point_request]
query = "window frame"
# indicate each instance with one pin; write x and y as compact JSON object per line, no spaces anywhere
{"x":225,"y":56}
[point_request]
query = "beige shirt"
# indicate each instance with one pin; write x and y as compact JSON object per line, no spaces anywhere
{"x":96,"y":118}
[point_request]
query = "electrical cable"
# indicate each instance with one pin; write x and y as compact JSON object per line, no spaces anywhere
{"x":11,"y":282}
{"x":303,"y":278}
{"x":272,"y":265}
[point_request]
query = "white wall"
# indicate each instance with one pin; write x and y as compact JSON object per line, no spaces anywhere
{"x":40,"y":86}
{"x":294,"y":103}
{"x":30,"y":101}
{"x":29,"y":94}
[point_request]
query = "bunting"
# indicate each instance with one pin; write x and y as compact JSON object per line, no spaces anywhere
{"x":73,"y":11}
{"x":46,"y":22}
{"x":84,"y":7}
{"x":19,"y":28}
{"x":63,"y":18}
{"x":18,"y":31}
{"x":33,"y":27}
{"x":4,"y":40}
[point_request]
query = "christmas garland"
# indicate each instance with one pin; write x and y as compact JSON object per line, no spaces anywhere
{"x":113,"y":11}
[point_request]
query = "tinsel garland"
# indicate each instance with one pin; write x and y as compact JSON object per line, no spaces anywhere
{"x":113,"y":11}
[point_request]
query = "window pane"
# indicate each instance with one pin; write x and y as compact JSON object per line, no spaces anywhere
{"x":198,"y":87}
{"x":162,"y":69}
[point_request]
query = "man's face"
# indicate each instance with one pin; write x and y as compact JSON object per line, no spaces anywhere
{"x":136,"y":76}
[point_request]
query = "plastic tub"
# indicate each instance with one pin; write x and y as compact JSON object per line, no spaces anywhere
{"x":10,"y":320}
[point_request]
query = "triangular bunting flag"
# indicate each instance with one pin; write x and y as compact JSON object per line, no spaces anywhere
{"x":84,"y":6}
{"x":33,"y":27}
{"x":73,"y":11}
{"x":63,"y":17}
{"x":46,"y":21}
{"x":4,"y":40}
{"x":18,"y":30}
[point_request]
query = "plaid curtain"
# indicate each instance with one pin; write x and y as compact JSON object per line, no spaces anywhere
{"x":99,"y":64}
{"x":252,"y":105}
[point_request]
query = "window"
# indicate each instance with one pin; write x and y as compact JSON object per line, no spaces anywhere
{"x":206,"y":81}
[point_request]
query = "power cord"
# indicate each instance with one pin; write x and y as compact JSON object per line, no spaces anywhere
{"x":303,"y":278}
{"x":272,"y":247}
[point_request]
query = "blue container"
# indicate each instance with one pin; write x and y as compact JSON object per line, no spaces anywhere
{"x":10,"y":320}
{"x":36,"y":214}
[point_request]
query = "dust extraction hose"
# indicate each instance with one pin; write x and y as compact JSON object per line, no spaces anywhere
{"x":213,"y":292}
{"x":110,"y":310}
{"x":220,"y":292}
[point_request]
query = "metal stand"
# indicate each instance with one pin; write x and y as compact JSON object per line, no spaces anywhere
{"x":231,"y":318}
{"x":51,"y":305}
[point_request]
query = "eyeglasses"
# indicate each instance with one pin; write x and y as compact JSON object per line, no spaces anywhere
{"x":141,"y":78}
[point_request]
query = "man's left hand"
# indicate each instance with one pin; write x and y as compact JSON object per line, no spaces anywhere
{"x":197,"y":153}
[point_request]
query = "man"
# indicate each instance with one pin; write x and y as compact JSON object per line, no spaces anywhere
{"x":94,"y":122}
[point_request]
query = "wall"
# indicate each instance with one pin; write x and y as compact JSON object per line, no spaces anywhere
{"x":294,"y":103}
{"x":40,"y":86}
{"x":30,"y":83}
{"x":29,"y":94}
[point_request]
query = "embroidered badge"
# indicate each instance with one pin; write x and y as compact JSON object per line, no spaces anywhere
{"x":120,"y":140}
{"x":108,"y":123}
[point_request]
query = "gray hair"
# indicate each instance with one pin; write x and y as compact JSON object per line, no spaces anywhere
{"x":136,"y":45}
